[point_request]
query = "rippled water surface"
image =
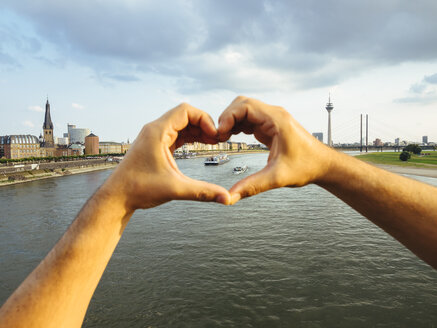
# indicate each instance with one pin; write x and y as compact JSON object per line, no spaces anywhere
{"x":286,"y":258}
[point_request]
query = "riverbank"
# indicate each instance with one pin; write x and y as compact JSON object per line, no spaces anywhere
{"x":28,"y":176}
{"x":210,"y":153}
{"x":230,"y":152}
{"x":421,"y":165}
{"x":411,"y":170}
{"x":428,"y":159}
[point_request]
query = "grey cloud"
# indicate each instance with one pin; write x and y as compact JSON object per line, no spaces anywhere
{"x":423,"y":92}
{"x":123,"y":77}
{"x":418,"y":88}
{"x":147,"y":31}
{"x":15,"y":42}
{"x":420,"y":99}
{"x":432,"y":79}
{"x":304,"y":43}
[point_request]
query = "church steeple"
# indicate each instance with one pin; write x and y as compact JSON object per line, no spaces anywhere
{"x":48,"y":128}
{"x":47,"y":120}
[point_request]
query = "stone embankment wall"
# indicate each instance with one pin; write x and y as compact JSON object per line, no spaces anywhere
{"x":4,"y":169}
{"x":23,"y":173}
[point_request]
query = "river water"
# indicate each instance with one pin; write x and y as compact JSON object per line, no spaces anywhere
{"x":285,"y":258}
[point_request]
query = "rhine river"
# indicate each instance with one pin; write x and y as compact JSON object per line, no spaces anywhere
{"x":285,"y":258}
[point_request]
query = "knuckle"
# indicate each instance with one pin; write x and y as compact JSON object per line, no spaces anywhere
{"x":182,"y":107}
{"x":202,"y":195}
{"x":186,"y":108}
{"x":251,"y":190}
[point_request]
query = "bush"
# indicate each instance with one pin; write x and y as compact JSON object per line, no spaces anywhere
{"x":413,"y":148}
{"x":405,"y":156}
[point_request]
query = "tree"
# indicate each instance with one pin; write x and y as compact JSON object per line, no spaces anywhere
{"x":413,"y":148}
{"x":405,"y":156}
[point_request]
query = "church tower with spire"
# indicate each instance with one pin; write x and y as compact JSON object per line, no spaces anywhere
{"x":48,"y":128}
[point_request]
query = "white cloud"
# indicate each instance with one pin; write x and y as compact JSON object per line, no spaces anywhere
{"x":28,"y":123}
{"x":77,"y":106}
{"x":36,"y":109}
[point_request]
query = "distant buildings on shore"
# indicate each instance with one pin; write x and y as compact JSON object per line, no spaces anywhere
{"x":221,"y":146}
{"x":318,"y":136}
{"x":77,"y":141}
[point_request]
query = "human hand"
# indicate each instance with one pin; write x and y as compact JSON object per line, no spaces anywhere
{"x":296,"y":158}
{"x":148,"y":175}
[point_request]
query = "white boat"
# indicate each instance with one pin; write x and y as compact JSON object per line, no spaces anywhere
{"x":217,"y":160}
{"x":240,"y":169}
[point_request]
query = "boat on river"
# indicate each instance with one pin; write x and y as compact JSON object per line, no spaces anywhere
{"x":217,"y":160}
{"x":240,"y":169}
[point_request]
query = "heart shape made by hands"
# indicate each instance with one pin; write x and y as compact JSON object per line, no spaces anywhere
{"x":291,"y":146}
{"x":295,"y":157}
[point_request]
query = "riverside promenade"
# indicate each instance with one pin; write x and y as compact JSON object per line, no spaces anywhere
{"x":15,"y":174}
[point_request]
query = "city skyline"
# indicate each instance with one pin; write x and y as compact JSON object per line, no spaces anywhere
{"x":113,"y":80}
{"x":317,"y":135}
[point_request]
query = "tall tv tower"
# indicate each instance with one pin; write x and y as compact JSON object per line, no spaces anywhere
{"x":329,"y":107}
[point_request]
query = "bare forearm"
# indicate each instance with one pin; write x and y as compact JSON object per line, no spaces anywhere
{"x":58,"y":291}
{"x":405,"y":208}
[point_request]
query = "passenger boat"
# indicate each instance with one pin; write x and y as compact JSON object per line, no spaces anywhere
{"x":217,"y":160}
{"x":240,"y":169}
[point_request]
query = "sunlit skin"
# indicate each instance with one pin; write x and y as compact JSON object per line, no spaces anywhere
{"x":58,"y":291}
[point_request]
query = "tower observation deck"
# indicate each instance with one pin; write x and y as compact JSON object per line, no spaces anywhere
{"x":329,"y":107}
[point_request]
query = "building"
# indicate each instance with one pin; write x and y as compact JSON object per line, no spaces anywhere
{"x":233,"y":145}
{"x":110,"y":147}
{"x":26,"y":146}
{"x":48,"y":140}
{"x":77,"y":135}
{"x":125,"y":147}
{"x":19,"y":146}
{"x":198,"y":146}
{"x":77,"y":149}
{"x":397,"y":141}
{"x":318,"y":136}
{"x":91,"y":144}
{"x":378,"y":143}
{"x":69,"y":128}
{"x":62,"y":141}
{"x":47,"y":127}
{"x":425,"y":140}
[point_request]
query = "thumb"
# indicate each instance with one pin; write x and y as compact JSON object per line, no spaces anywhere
{"x":254,"y":184}
{"x":191,"y":189}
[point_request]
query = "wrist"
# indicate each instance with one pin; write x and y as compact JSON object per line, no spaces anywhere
{"x":114,"y":191}
{"x":331,"y":166}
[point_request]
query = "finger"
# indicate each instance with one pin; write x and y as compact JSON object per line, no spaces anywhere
{"x":244,"y":127}
{"x":241,"y":110}
{"x":231,"y":115}
{"x":191,"y":189}
{"x":193,"y":133}
{"x":254,"y":184}
{"x":186,"y":114}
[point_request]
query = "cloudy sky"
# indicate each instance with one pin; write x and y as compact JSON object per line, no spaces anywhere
{"x":113,"y":65}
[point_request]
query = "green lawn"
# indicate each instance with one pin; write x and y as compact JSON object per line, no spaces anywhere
{"x":392,"y":158}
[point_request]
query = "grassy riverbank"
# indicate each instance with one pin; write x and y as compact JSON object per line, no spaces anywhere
{"x":392,"y":158}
